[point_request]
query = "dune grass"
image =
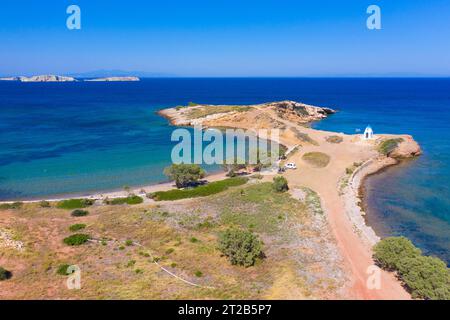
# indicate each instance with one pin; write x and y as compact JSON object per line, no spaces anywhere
{"x":75,"y":204}
{"x":200,"y":191}
{"x":316,"y":159}
{"x":389,"y":145}
{"x":132,"y":199}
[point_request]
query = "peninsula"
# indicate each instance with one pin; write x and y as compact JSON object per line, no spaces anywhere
{"x":331,"y":164}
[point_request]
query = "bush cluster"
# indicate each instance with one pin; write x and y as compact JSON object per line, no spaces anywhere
{"x":200,"y":191}
{"x":14,"y":205}
{"x":426,"y":277}
{"x":4,"y":274}
{"x":75,"y":203}
{"x":76,"y":239}
{"x":77,"y":227}
{"x":184,"y":175}
{"x":79,"y":213}
{"x":131,"y":199}
{"x":240,"y":246}
{"x":280,"y":184}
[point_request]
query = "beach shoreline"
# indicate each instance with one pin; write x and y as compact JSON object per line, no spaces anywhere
{"x":345,"y":215}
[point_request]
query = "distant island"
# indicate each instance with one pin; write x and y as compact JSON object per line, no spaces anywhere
{"x":40,"y":78}
{"x":56,"y":78}
{"x":110,"y":79}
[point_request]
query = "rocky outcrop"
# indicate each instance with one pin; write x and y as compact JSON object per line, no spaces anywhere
{"x":109,"y":79}
{"x":407,"y":148}
{"x":300,"y":112}
{"x":46,"y":78}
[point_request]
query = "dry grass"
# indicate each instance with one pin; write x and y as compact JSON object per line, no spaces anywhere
{"x":334,"y":139}
{"x":316,"y":159}
{"x":203,"y":111}
{"x":113,"y":270}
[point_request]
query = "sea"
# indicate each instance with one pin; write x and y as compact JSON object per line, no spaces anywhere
{"x":80,"y":137}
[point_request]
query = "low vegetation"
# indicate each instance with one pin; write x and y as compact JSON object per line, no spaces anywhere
{"x":184,"y":175}
{"x":75,"y":203}
{"x":131,"y":200}
{"x":62,"y":269}
{"x":44,"y":204}
{"x":79,"y":213}
{"x":200,"y":191}
{"x":334,"y":139}
{"x":240,"y":246}
{"x":389,"y":145}
{"x":76,"y":239}
{"x":304,"y":137}
{"x":205,"y":111}
{"x":280,"y":184}
{"x":4,"y":274}
{"x":77,"y":227}
{"x":316,"y":159}
{"x":8,"y":206}
{"x":426,"y":277}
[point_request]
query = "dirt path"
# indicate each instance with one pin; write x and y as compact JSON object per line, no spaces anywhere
{"x":356,"y":253}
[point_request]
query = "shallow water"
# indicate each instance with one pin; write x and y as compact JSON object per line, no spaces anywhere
{"x":59,"y":138}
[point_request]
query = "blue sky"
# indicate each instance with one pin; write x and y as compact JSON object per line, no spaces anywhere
{"x":227,"y":38}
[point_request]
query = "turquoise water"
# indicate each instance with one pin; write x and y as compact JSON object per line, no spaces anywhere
{"x":59,"y":138}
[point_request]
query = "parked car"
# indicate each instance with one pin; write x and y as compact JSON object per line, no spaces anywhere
{"x":290,"y":165}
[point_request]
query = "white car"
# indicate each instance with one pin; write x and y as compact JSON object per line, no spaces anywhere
{"x":290,"y":165}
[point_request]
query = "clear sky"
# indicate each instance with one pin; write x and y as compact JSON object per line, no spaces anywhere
{"x":227,"y":37}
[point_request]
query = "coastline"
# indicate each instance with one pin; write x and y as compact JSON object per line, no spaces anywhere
{"x":118,"y":193}
{"x":346,"y":218}
{"x":353,"y":236}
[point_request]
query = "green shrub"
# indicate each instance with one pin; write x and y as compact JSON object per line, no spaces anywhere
{"x":44,"y":204}
{"x":75,"y":203}
{"x":184,"y":175}
{"x":129,"y":243}
{"x":132,"y":199}
{"x":389,"y":145}
{"x":76,"y":239}
{"x":194,"y":240}
{"x":79,"y":213}
{"x":200,"y":191}
{"x":391,"y":252}
{"x":198,"y":273}
{"x":62,"y":269}
{"x":192,"y":104}
{"x":14,"y":205}
{"x":131,"y":263}
{"x":280,"y":184}
{"x":241,"y":247}
{"x":170,"y":250}
{"x":4,"y":274}
{"x":425,"y":277}
{"x":77,"y":227}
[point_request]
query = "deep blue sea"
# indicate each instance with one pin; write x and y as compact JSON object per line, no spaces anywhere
{"x":59,"y":138}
